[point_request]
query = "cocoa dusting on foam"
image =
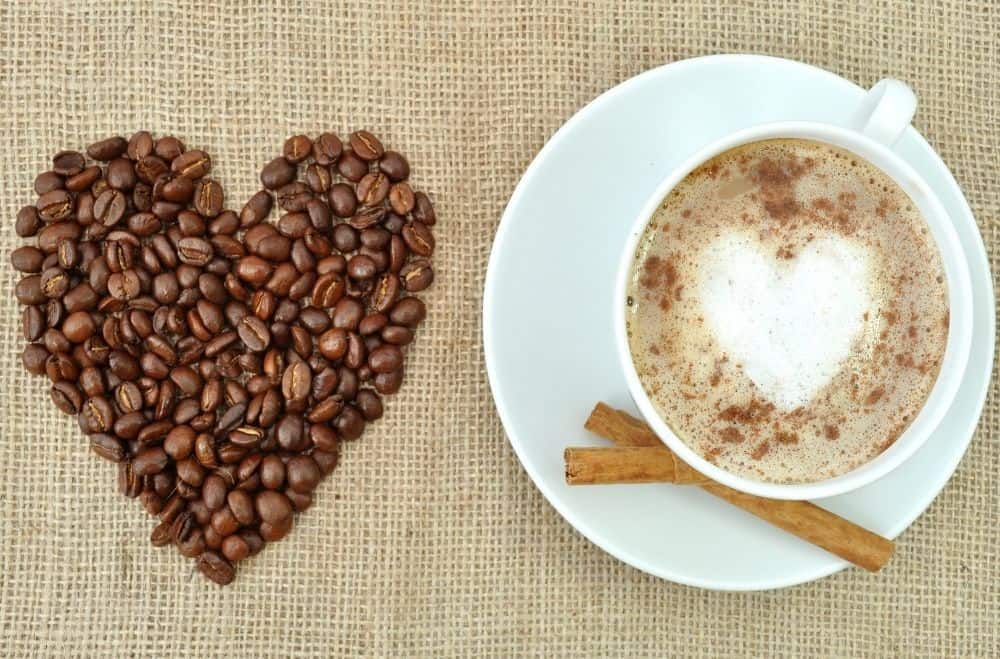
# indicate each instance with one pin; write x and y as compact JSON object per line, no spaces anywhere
{"x":787,"y":227}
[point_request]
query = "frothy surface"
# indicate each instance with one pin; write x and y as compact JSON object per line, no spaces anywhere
{"x":788,"y":311}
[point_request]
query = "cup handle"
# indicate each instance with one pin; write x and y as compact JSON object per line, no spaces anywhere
{"x":885,"y":111}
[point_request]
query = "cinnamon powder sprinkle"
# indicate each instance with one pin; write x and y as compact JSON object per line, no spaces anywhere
{"x":731,"y":435}
{"x":754,"y":412}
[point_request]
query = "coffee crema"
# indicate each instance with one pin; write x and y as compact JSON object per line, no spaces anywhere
{"x":787,"y":311}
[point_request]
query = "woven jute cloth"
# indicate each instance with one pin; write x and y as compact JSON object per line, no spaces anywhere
{"x":429,"y":539}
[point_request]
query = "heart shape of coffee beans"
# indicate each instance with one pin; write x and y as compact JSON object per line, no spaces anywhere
{"x":217,"y":358}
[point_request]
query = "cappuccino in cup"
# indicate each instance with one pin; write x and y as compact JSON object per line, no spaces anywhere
{"x":787,"y":311}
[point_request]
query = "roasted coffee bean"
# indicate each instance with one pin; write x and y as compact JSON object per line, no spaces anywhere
{"x":294,"y":196}
{"x":68,"y":163}
{"x":226,"y":224}
{"x":48,"y":181}
{"x":290,"y":433}
{"x":150,"y":168}
{"x":120,"y":174}
{"x":342,"y":200}
{"x":385,"y":358}
{"x":208,"y":198}
{"x":273,"y":507}
{"x":124,"y":285}
{"x":361,"y":267}
{"x":66,"y":397}
{"x":416,"y":276}
{"x":321,"y":219}
{"x":373,"y":188}
{"x":375,"y":238}
{"x":68,"y":254}
{"x":274,"y":248}
{"x":397,"y":335}
{"x":190,"y":471}
{"x":27,"y":259}
{"x":189,"y":222}
{"x":351,"y":167}
{"x":140,"y":145}
{"x":107,"y":447}
{"x":246,"y":437}
{"x":326,"y":149}
{"x":408,"y":312}
{"x":166,"y":210}
{"x":274,"y":531}
{"x":297,"y":148}
{"x":272,"y":472}
{"x":401,"y":198}
{"x":192,"y":164}
{"x":318,"y":178}
{"x":254,"y":333}
{"x":28,"y":223}
{"x":395,"y":166}
{"x":109,"y":207}
{"x":79,"y":326}
{"x":369,"y":404}
{"x":55,"y":205}
{"x":235,"y":548}
{"x":174,"y":187}
{"x":367,"y":217}
{"x":388,"y":383}
{"x":154,"y":433}
{"x":303,"y":474}
{"x":366,"y":145}
{"x":168,"y":147}
{"x":216,"y":568}
{"x":129,"y":483}
{"x":296,"y":382}
{"x":107,"y":149}
{"x":96,"y":415}
{"x":327,"y":291}
{"x":33,"y":358}
{"x":242,"y":506}
{"x":386,"y":292}
{"x":150,"y":461}
{"x":349,"y":424}
{"x":253,"y":269}
{"x":347,"y":314}
{"x":195,"y":251}
{"x":82,"y":181}
{"x":256,"y":209}
{"x":33,"y":323}
{"x":418,"y":238}
{"x":423,"y":210}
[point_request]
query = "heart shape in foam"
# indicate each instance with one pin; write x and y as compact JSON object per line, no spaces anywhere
{"x":790,"y":323}
{"x":217,"y":358}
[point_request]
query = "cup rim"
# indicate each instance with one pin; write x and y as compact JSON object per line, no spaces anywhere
{"x":957,"y":347}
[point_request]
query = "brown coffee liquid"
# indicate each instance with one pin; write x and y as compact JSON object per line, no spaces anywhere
{"x":788,"y":311}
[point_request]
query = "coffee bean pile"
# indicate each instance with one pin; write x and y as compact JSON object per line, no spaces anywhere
{"x":219,"y":359}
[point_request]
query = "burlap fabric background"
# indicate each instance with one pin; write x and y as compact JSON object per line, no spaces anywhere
{"x":430,"y":539}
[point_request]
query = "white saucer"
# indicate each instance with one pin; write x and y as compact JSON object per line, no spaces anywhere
{"x":549,"y":343}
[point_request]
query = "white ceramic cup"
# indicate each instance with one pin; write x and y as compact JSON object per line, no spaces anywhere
{"x":882,"y":116}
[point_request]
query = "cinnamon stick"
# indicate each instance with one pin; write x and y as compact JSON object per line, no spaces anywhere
{"x":641,"y":458}
{"x":628,"y":464}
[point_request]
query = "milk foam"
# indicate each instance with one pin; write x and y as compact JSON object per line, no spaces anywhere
{"x":787,"y":311}
{"x":790,"y":324}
